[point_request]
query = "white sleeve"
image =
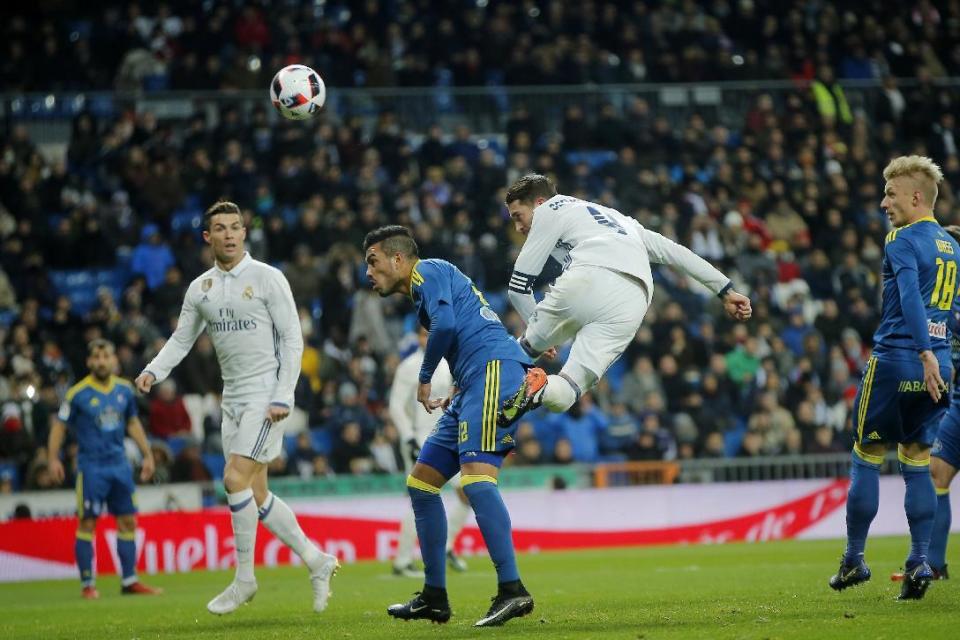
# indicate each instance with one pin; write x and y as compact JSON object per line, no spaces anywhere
{"x":545,"y":230}
{"x":288,"y":336}
{"x":402,"y":391}
{"x":663,"y":250}
{"x":189,"y":327}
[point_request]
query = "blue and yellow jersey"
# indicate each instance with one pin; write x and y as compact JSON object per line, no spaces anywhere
{"x":463,"y":328}
{"x":98,"y":415}
{"x":919,"y":287}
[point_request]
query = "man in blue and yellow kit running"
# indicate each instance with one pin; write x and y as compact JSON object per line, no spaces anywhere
{"x":902,"y":395}
{"x":99,"y":410}
{"x":487,"y":364}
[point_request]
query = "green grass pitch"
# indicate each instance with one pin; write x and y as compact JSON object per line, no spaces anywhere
{"x":771,"y":590}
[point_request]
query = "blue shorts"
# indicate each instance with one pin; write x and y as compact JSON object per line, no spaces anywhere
{"x":468,"y":428}
{"x":111,"y":487}
{"x":947,"y":444}
{"x":893,"y":405}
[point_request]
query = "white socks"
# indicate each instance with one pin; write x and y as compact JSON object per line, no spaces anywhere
{"x":243,"y":513}
{"x":559,"y":394}
{"x":456,"y":517}
{"x":279,"y":519}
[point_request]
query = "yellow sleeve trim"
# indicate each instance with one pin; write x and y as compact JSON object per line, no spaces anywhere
{"x":468,"y":480}
{"x":866,"y":456}
{"x":416,"y":483}
{"x":83,"y":535}
{"x":910,"y":461}
{"x":75,"y":389}
{"x":942,"y":492}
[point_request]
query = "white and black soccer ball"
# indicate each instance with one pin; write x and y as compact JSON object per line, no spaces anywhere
{"x":297,"y":92}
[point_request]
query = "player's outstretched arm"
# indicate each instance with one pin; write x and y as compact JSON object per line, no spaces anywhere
{"x":663,"y":250}
{"x":189,"y":326}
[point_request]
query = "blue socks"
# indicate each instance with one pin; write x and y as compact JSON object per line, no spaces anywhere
{"x":127,"y":552}
{"x":431,"y":521}
{"x":83,"y":550}
{"x":863,"y":501}
{"x":920,"y":503}
{"x":494,"y":522}
{"x":937,"y":554}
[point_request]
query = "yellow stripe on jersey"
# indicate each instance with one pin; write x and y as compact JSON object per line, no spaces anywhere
{"x":491,"y":396}
{"x":890,"y":237}
{"x":865,"y":396}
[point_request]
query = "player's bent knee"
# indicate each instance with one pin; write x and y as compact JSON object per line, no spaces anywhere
{"x":914,"y":454}
{"x":87,"y":525}
{"x":126,"y":522}
{"x":421,"y":485}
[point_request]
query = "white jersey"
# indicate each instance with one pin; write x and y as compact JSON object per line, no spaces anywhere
{"x":577,"y":232}
{"x":252,"y":321}
{"x":409,"y":416}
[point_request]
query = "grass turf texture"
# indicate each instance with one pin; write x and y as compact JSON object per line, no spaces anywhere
{"x":771,"y":590}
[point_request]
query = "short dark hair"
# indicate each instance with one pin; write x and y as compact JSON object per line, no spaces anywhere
{"x":530,"y":187}
{"x":218,"y":208}
{"x":396,"y":238}
{"x":99,"y":343}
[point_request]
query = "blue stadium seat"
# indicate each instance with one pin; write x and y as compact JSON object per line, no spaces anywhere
{"x":322,"y":440}
{"x":177,"y":444}
{"x":290,"y":443}
{"x":7,"y":318}
{"x":594,"y":159}
{"x":732,"y":440}
{"x":8,"y":469}
{"x":80,"y":285}
{"x":214,"y":463}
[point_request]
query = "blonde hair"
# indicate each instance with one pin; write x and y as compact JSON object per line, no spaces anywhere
{"x":921,"y":169}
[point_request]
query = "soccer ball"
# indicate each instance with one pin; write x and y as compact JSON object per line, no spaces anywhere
{"x":297,"y":92}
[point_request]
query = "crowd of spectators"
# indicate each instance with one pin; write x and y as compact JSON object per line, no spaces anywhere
{"x":787,"y":203}
{"x":373,"y":43}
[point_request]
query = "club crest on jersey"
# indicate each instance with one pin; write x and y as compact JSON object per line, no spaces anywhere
{"x":206,"y":284}
{"x":248,"y":293}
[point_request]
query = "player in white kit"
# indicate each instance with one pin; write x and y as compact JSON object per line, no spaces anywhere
{"x":601,"y":297}
{"x":247,"y":308}
{"x":414,"y":425}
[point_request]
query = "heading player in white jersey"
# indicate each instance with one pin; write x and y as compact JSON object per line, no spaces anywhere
{"x":414,"y":425}
{"x":600,"y":298}
{"x":248,"y":310}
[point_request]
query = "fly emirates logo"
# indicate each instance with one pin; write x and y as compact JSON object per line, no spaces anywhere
{"x":227,"y":321}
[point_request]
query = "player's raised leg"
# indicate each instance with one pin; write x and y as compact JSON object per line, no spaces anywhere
{"x":277,"y":516}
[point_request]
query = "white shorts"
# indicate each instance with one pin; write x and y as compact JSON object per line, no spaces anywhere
{"x":601,"y":309}
{"x":247,"y":432}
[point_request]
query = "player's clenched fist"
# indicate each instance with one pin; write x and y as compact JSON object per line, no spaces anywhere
{"x":144,"y":382}
{"x":737,"y":305}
